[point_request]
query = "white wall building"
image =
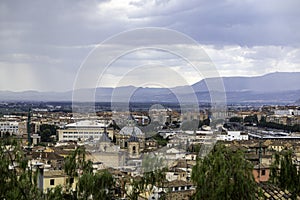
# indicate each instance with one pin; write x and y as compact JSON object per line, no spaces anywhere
{"x":287,"y":112}
{"x":232,"y":135}
{"x":11,"y":127}
{"x":83,"y":130}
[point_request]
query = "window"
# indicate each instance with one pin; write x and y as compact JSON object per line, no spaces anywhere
{"x":71,"y":180}
{"x":263,"y":172}
{"x":51,"y":181}
{"x":133,"y":149}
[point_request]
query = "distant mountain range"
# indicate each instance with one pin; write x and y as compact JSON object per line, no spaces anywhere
{"x":281,"y":87}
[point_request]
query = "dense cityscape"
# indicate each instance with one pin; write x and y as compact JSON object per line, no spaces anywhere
{"x":149,"y":100}
{"x":62,"y":150}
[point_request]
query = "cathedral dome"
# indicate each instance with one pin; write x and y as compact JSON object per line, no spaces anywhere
{"x":128,"y":130}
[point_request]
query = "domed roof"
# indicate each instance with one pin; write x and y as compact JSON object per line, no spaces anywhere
{"x":128,"y":130}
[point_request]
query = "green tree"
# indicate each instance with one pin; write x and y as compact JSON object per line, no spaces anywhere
{"x":251,"y":119}
{"x":224,"y":174}
{"x":76,"y":163}
{"x":160,"y":140}
{"x":96,"y":186}
{"x":7,"y":134}
{"x":46,"y":135}
{"x":154,"y":168}
{"x":50,"y":127}
{"x":146,"y":183}
{"x":56,"y":193}
{"x":90,"y":185}
{"x":262,"y":119}
{"x":17,"y":179}
{"x":236,"y":119}
{"x":285,"y":174}
{"x":46,"y":131}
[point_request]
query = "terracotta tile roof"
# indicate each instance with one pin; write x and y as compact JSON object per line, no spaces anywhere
{"x":47,"y":155}
{"x":54,"y":173}
{"x":61,"y":151}
{"x":269,"y":191}
{"x":177,"y":183}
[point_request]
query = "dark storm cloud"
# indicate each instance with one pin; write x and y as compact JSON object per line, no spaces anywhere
{"x":50,"y":39}
{"x":210,"y":22}
{"x":231,"y":22}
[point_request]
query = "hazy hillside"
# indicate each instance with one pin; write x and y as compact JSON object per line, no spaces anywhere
{"x":274,"y":87}
{"x":274,"y":82}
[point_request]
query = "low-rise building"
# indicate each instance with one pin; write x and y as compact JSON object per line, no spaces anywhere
{"x":261,"y":173}
{"x":175,"y":190}
{"x":232,"y":135}
{"x":232,"y":131}
{"x":83,"y":130}
{"x":52,"y":178}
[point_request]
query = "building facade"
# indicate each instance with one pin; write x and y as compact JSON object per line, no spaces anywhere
{"x":9,"y":127}
{"x":83,"y":130}
{"x":123,"y":137}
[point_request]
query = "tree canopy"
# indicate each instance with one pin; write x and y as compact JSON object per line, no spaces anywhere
{"x":236,"y":119}
{"x":17,"y":179}
{"x":46,"y":131}
{"x":224,"y":174}
{"x":285,"y":173}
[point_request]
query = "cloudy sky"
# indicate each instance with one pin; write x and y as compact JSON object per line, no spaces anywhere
{"x":44,"y":43}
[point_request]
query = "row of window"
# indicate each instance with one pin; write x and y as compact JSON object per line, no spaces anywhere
{"x":181,"y":188}
{"x":80,"y":136}
{"x":76,"y":133}
{"x":52,"y":181}
{"x":9,"y":129}
{"x":7,"y":124}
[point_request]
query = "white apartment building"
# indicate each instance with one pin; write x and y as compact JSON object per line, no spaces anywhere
{"x":232,"y":135}
{"x":287,"y":112}
{"x":10,"y":127}
{"x":232,"y":131}
{"x":83,"y":130}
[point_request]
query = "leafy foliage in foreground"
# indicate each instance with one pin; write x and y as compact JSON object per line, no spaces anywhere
{"x":224,"y":174}
{"x":17,"y":180}
{"x":284,"y":173}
